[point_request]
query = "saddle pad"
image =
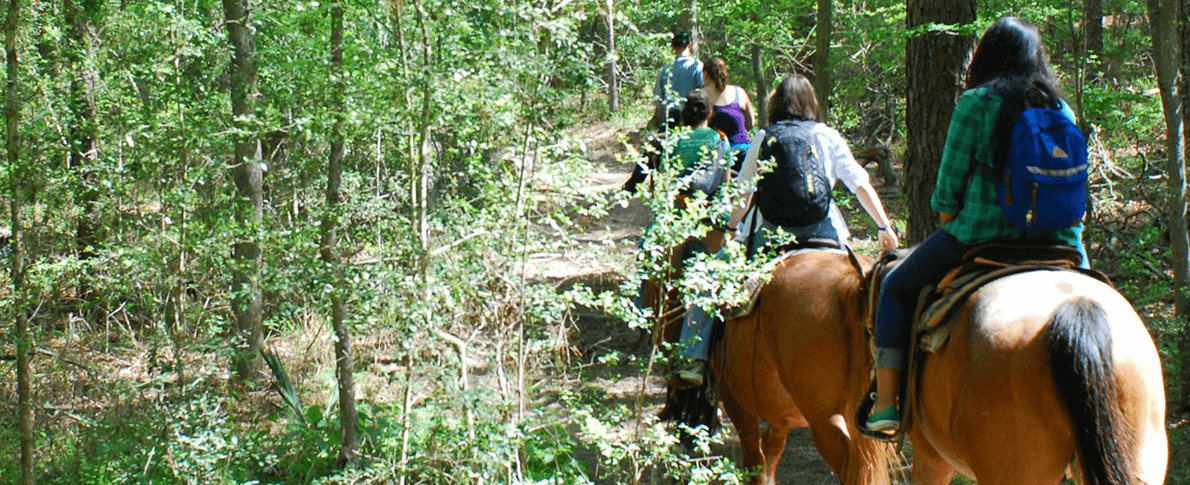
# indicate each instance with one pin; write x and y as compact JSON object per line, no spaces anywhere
{"x":933,"y":324}
{"x":981,"y":265}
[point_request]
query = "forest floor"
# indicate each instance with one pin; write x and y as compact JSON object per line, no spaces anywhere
{"x":599,"y":334}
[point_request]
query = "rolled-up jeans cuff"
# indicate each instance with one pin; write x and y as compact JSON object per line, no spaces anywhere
{"x":887,"y":358}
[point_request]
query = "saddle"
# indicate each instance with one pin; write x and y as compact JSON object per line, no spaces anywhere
{"x":932,"y":322}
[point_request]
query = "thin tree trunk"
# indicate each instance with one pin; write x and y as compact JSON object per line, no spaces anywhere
{"x":419,"y":189}
{"x":176,"y":317}
{"x":344,"y":363}
{"x":1080,"y":79}
{"x":613,"y":83}
{"x":12,"y":115}
{"x":823,"y":82}
{"x":406,"y":420}
{"x":422,"y":177}
{"x":83,"y":139}
{"x":249,"y":211}
{"x":935,"y":62}
{"x":762,"y":87}
{"x":398,"y":7}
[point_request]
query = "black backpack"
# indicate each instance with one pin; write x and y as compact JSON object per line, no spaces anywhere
{"x":797,"y":192}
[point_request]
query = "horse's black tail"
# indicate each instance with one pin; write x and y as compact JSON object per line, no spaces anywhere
{"x":693,"y":407}
{"x":699,"y":405}
{"x":1079,"y":340}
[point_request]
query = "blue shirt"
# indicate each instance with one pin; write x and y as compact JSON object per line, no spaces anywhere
{"x":677,"y":80}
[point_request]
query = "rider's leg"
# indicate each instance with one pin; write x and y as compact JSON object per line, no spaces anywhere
{"x":698,"y":326}
{"x":929,"y":262}
{"x":696,"y":333}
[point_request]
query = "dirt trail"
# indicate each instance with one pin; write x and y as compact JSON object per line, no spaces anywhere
{"x":599,"y":334}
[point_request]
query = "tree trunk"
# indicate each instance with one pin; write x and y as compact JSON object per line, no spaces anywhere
{"x":248,"y":175}
{"x":1163,"y":24}
{"x":823,"y":82}
{"x":1166,"y":47}
{"x":344,"y":363}
{"x":398,"y":8}
{"x":934,"y":64}
{"x":762,"y":88}
{"x":1181,"y":252}
{"x":690,"y":24}
{"x":12,"y":116}
{"x":1093,"y":32}
{"x":421,"y":179}
{"x":613,"y":83}
{"x":84,"y":146}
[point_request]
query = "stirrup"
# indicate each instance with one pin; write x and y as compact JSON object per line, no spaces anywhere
{"x":861,"y":419}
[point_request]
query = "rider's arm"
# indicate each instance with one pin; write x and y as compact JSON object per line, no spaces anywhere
{"x":967,"y":134}
{"x":870,"y":200}
{"x":747,"y":175}
{"x":849,"y":171}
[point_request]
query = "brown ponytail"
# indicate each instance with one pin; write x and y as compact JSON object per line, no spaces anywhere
{"x":715,"y":70}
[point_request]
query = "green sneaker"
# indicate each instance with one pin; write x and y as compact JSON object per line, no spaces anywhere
{"x":886,"y":420}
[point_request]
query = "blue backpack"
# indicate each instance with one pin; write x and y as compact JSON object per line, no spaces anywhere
{"x":1044,"y":183}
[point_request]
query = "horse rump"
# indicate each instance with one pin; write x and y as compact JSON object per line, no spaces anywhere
{"x":1079,"y":340}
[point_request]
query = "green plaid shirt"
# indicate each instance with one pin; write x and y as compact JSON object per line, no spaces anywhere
{"x":963,"y":190}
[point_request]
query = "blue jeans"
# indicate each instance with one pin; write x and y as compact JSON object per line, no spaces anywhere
{"x":698,"y":327}
{"x":939,"y":253}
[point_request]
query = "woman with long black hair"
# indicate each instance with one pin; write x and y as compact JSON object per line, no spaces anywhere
{"x":1009,"y":72}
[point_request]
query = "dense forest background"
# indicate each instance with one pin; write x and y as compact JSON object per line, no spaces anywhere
{"x":307,"y":241}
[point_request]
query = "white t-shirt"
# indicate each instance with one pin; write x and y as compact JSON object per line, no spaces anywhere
{"x":840,"y":164}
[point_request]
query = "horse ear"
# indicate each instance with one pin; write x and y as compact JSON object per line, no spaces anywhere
{"x":855,"y":261}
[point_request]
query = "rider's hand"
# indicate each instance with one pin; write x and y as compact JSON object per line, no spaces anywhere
{"x":888,"y":238}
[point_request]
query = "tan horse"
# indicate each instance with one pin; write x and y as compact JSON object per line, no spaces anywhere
{"x":801,"y":359}
{"x":1045,"y":372}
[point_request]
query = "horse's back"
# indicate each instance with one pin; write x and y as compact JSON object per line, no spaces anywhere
{"x":988,"y":401}
{"x":813,"y":326}
{"x":801,"y":359}
{"x":794,"y":335}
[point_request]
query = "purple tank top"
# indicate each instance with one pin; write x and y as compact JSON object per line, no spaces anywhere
{"x":730,"y":120}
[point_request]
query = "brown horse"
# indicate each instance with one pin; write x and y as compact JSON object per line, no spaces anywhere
{"x":1046,"y":373}
{"x":801,"y":359}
